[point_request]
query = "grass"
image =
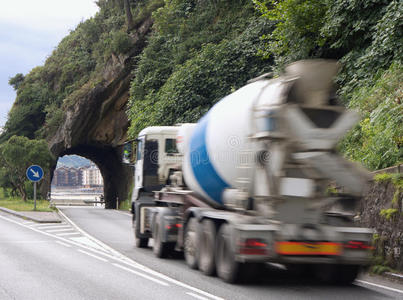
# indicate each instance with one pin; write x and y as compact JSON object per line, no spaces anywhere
{"x":125,"y":205}
{"x":18,"y":205}
{"x":396,"y":179}
{"x":380,"y":269}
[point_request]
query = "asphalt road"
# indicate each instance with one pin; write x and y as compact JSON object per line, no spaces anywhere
{"x":56,"y":261}
{"x":113,"y":228}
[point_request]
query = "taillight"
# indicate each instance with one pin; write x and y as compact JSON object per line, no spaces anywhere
{"x":173,"y":226}
{"x":253,"y":247}
{"x":359,"y":245}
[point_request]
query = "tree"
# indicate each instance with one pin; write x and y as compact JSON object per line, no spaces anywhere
{"x":16,"y":155}
{"x":129,"y":17}
{"x":16,"y":81}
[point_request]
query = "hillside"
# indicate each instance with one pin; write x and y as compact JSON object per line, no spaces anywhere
{"x":180,"y":57}
{"x":73,"y":161}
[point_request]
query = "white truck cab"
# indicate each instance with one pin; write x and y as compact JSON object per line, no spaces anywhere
{"x":156,"y":158}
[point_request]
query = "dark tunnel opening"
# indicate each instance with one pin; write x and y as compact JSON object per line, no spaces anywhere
{"x":117,"y":177}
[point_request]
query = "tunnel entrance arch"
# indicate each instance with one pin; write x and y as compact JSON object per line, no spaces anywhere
{"x":117,"y":177}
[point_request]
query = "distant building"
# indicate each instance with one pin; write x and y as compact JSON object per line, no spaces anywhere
{"x":65,"y":176}
{"x":77,"y":177}
{"x":91,"y":176}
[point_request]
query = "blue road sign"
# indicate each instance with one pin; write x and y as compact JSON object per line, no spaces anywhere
{"x":34,"y":173}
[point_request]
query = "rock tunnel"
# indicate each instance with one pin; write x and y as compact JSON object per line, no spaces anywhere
{"x":117,"y":176}
{"x":95,"y":124}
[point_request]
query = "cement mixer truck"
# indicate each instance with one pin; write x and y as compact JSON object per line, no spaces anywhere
{"x":249,"y":183}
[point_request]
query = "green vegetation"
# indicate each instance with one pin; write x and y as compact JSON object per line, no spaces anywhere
{"x":76,"y":64}
{"x":199,"y":51}
{"x":377,"y":140}
{"x":380,"y":269}
{"x":380,"y":262}
{"x":397,"y":180}
{"x":389,"y":213}
{"x":125,"y":205}
{"x":367,"y":38}
{"x":16,"y":155}
{"x":18,"y":204}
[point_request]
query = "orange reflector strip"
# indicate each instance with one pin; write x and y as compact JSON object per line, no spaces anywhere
{"x":306,"y":248}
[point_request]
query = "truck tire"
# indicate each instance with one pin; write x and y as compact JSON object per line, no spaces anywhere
{"x":139,"y":241}
{"x":206,"y":241}
{"x":347,"y":274}
{"x":161,"y":249}
{"x":190,"y":243}
{"x":337,"y":274}
{"x":227,"y":268}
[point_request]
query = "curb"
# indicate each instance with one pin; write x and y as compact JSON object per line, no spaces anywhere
{"x":25,"y":217}
{"x":394,"y":276}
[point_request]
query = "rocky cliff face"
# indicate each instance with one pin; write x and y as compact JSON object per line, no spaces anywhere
{"x":95,"y":126}
{"x":382,"y":209}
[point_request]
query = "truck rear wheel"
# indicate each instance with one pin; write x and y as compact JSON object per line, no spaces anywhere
{"x":227,"y":268}
{"x":337,"y":274}
{"x":206,"y":241}
{"x":161,"y":249}
{"x":190,"y":243}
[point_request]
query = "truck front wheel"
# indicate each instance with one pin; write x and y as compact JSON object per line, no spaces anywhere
{"x":139,"y":241}
{"x":206,"y":242}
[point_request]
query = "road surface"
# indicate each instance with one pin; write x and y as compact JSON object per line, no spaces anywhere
{"x":56,"y":261}
{"x":114,"y":229}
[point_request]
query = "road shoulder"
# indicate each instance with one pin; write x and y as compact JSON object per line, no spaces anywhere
{"x":36,"y":216}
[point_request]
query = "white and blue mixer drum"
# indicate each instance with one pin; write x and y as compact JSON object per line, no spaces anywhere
{"x":218,"y":151}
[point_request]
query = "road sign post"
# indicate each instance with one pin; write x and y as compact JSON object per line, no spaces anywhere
{"x":34,"y":174}
{"x":34,"y":195}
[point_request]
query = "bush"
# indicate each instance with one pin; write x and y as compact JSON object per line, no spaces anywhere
{"x":374,"y":141}
{"x":121,"y":42}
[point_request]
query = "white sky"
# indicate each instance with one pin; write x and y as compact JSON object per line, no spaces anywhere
{"x":29,"y":31}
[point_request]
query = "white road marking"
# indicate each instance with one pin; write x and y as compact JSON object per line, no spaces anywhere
{"x":64,"y":244}
{"x":90,"y":237}
{"x":92,"y":255}
{"x":69,"y":241}
{"x":141,"y":274}
{"x":380,"y":286}
{"x":125,"y":260}
{"x":67,"y":233}
{"x":51,"y":226}
{"x":120,"y":257}
{"x":60,"y":230}
{"x":128,"y":261}
{"x":196,"y":296}
{"x":29,"y":222}
{"x":87,"y":242}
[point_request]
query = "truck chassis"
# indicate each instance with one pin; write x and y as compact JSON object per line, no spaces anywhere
{"x":231,"y":244}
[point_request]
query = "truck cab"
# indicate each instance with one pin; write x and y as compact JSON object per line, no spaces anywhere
{"x":155,"y":157}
